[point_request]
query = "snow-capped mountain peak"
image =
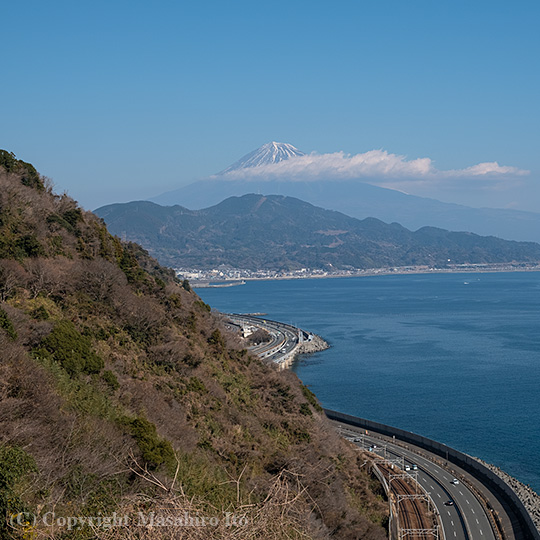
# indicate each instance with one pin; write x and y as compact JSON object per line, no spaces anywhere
{"x":272,"y":152}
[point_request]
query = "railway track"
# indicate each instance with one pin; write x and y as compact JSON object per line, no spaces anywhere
{"x":415,"y":519}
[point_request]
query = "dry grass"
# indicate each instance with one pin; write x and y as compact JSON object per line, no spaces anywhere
{"x":235,"y":424}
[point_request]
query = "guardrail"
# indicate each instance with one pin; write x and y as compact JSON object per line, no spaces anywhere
{"x":471,"y":465}
{"x":392,"y":525}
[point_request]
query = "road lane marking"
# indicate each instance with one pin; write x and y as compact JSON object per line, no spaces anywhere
{"x":451,"y":522}
{"x":439,"y":495}
{"x":472,"y":511}
{"x":481,"y":532}
{"x":477,"y":521}
{"x":467,"y":501}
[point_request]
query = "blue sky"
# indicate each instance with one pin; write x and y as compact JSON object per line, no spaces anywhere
{"x":123,"y":100}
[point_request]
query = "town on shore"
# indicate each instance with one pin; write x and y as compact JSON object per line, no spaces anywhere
{"x":224,"y":276}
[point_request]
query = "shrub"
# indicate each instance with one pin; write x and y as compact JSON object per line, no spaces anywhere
{"x":128,"y":263}
{"x":7,"y":325}
{"x":174,"y":300}
{"x":67,"y":220}
{"x":15,"y":463}
{"x":29,"y":245}
{"x":202,"y":305}
{"x":216,"y":339}
{"x":310,"y":396}
{"x":305,"y":410}
{"x":40,"y":313}
{"x":19,"y":246}
{"x":71,"y":350}
{"x":56,"y":218}
{"x":196,"y":385}
{"x":154,"y":451}
{"x":192,"y":360}
{"x":73,"y":216}
{"x":29,"y":175}
{"x":110,"y":378}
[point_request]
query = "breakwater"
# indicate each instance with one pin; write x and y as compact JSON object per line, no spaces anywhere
{"x":314,"y":344}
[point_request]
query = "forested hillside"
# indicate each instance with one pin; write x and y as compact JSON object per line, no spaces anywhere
{"x":121,"y":392}
{"x":273,"y":232}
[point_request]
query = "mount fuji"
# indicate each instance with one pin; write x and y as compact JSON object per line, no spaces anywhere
{"x":267,"y":154}
{"x":354,"y":197}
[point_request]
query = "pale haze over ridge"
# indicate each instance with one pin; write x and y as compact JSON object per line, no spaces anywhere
{"x":362,"y":186}
{"x":276,"y":161}
{"x":436,"y":99}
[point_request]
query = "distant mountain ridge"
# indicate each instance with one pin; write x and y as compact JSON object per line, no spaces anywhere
{"x":284,"y":233}
{"x":353,"y":197}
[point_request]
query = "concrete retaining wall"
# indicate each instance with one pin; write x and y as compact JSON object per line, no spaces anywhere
{"x":471,"y":465}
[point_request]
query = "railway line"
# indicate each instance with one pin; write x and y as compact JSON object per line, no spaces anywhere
{"x":461,"y":514}
{"x":414,"y":515}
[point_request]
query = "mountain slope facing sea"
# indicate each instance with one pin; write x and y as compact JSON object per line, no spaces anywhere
{"x":453,"y":357}
{"x":121,"y":394}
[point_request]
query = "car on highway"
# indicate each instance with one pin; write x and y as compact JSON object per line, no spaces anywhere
{"x":455,"y":481}
{"x":449,"y":503}
{"x":414,"y":467}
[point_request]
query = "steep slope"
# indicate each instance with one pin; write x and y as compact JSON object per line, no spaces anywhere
{"x":121,"y":392}
{"x":282,"y":233}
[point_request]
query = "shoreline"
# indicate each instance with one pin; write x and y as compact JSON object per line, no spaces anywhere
{"x":527,"y":495}
{"x":390,"y":271}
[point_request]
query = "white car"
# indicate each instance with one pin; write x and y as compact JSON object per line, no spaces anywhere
{"x":455,"y":481}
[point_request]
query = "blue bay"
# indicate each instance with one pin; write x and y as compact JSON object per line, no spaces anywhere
{"x":454,"y":357}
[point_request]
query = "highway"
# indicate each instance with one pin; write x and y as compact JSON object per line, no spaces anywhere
{"x":284,"y":337}
{"x":465,"y":519}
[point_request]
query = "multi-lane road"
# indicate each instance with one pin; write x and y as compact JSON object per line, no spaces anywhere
{"x":462,"y":515}
{"x":284,"y":338}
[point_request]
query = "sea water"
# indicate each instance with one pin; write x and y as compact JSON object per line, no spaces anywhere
{"x":454,"y":357}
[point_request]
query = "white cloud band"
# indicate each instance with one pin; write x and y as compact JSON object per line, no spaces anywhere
{"x":378,"y":166}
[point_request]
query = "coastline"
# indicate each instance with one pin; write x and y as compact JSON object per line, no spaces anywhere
{"x":529,"y":497}
{"x":226,"y":281}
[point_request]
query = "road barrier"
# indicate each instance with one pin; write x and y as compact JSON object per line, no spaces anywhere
{"x":501,"y":489}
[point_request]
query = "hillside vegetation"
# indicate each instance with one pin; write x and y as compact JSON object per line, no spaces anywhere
{"x":273,"y":232}
{"x":120,"y":392}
